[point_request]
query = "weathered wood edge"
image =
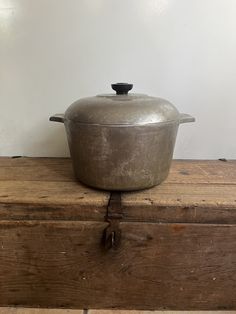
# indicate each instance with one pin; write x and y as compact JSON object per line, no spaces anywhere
{"x":155,"y":214}
{"x":41,"y":212}
{"x":60,"y":169}
{"x":195,"y":257}
{"x":135,"y":209}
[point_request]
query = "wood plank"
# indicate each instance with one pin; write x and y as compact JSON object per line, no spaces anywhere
{"x":72,"y":201}
{"x":60,"y":169}
{"x":183,"y":195}
{"x":182,"y":203}
{"x":55,"y":193}
{"x":7,"y":310}
{"x":45,"y":192}
{"x":10,"y":310}
{"x":157,"y":312}
{"x":51,"y":200}
{"x":158,"y":266}
{"x":68,"y":212}
{"x":24,"y":161}
{"x":66,"y":311}
{"x":41,"y":188}
{"x":202,"y":171}
{"x":36,"y":169}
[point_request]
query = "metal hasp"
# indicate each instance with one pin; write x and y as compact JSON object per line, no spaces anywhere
{"x":112,"y":233}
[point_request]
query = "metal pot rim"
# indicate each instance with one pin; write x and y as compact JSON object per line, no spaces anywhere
{"x":183,"y":118}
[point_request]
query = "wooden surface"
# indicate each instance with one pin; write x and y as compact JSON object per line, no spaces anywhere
{"x":195,"y":191}
{"x":157,"y":312}
{"x":65,"y":311}
{"x":178,"y":239}
{"x":158,"y":266}
{"x":44,"y":188}
{"x":60,"y":169}
{"x":11,"y":310}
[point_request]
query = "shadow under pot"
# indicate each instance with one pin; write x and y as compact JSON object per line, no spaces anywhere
{"x":121,"y":141}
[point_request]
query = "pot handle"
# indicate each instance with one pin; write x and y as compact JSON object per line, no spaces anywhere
{"x":185,"y":118}
{"x":59,"y":117}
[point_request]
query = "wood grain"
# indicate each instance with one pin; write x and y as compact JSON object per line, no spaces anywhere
{"x":55,"y":193}
{"x":10,"y":310}
{"x":36,"y":169}
{"x":66,"y":311}
{"x":51,"y":200}
{"x":202,"y":171}
{"x":45,"y":188}
{"x":60,"y":169}
{"x":158,"y":266}
{"x":182,"y":203}
{"x":178,"y":239}
{"x":195,"y":192}
{"x":157,"y":312}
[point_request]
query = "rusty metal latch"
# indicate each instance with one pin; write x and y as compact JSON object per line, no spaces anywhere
{"x":112,"y":234}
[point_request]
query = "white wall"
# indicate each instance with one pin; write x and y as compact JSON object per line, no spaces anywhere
{"x":53,"y":52}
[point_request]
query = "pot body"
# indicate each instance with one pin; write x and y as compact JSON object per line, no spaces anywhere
{"x":123,"y":158}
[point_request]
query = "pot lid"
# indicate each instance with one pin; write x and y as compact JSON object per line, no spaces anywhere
{"x":121,"y":108}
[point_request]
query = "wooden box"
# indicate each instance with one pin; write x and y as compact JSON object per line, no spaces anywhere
{"x":177,"y":248}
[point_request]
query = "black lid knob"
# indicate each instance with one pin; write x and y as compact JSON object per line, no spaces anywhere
{"x":122,"y":88}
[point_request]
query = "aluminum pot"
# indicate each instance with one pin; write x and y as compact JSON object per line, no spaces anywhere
{"x":121,"y":141}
